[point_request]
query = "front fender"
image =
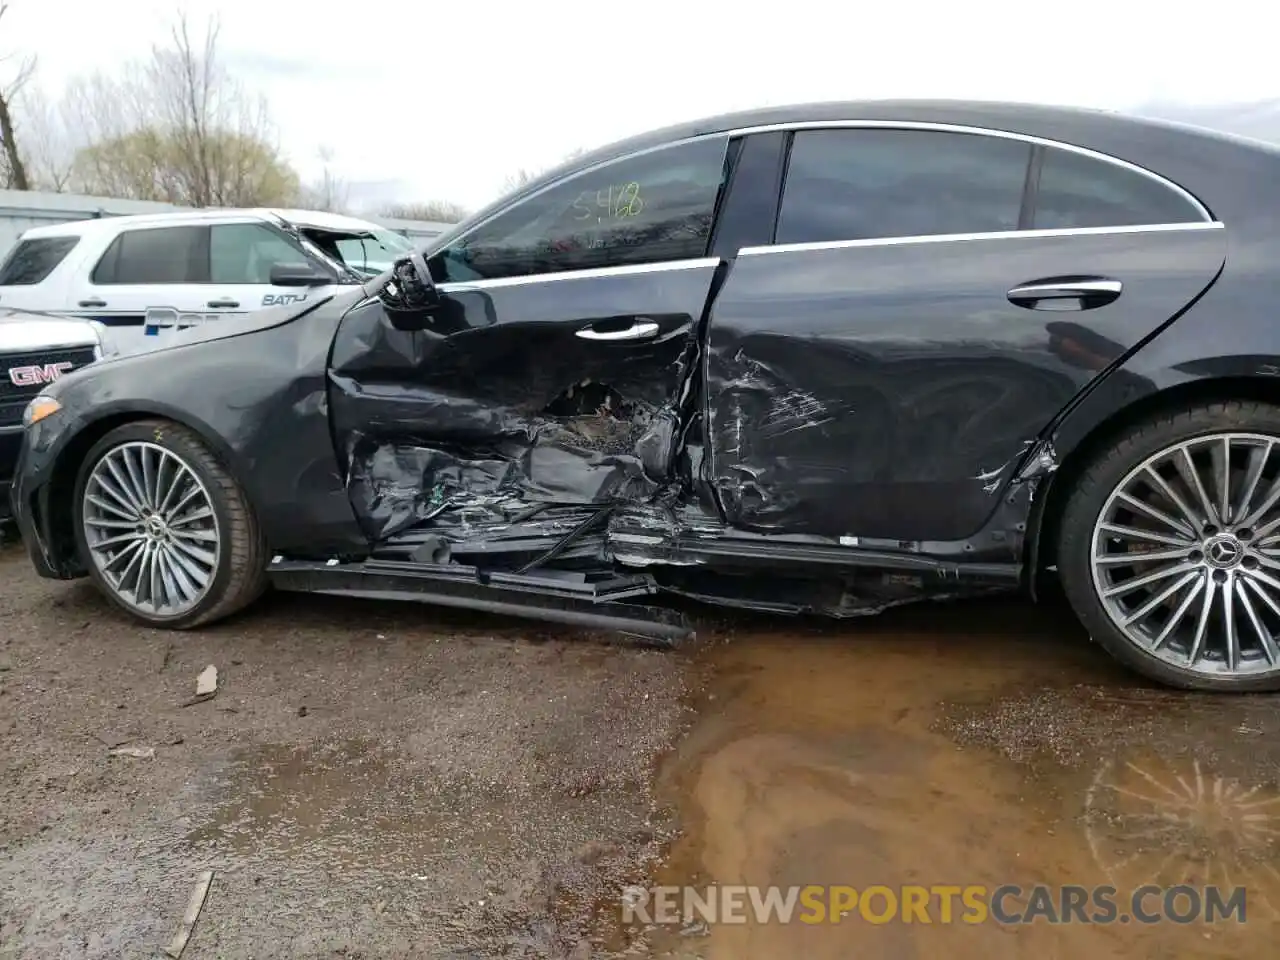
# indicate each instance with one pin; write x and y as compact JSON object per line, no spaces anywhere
{"x":69,"y":431}
{"x":259,"y":399}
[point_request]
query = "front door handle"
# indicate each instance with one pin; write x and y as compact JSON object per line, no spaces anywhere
{"x":1066,"y":293}
{"x":224,"y":303}
{"x":95,"y":302}
{"x":640,"y":330}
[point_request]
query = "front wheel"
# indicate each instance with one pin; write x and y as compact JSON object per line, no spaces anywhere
{"x":1169,"y":549}
{"x":166,"y":532}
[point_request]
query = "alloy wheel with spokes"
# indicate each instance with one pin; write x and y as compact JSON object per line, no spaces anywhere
{"x":151,"y":529}
{"x":1185,"y":555}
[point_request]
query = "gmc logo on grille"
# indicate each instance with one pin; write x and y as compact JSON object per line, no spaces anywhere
{"x":39,"y":374}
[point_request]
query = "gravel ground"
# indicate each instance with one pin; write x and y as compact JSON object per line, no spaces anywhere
{"x":389,"y":780}
{"x":371,"y":780}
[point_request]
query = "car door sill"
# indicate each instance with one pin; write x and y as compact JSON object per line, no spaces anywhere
{"x":635,"y":538}
{"x":586,"y":599}
{"x":747,"y":548}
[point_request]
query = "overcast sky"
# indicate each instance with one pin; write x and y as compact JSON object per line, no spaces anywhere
{"x":435,"y":100}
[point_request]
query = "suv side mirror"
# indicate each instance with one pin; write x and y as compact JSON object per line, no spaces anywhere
{"x":297,"y":275}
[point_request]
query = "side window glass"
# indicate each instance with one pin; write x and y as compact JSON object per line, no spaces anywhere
{"x":645,"y":209}
{"x":875,"y":184}
{"x":1083,"y":191}
{"x":105,"y":269}
{"x":158,"y":255}
{"x":33,"y":260}
{"x":246,"y":252}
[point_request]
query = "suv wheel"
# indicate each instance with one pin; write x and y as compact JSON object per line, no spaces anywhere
{"x":166,"y":532}
{"x":1170,"y":547}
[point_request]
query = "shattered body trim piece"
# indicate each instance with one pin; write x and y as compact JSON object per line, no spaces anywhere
{"x":555,"y":596}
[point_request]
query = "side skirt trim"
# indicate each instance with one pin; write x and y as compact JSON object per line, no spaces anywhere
{"x":570,"y":598}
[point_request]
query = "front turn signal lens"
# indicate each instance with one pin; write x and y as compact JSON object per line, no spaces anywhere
{"x":38,"y":409}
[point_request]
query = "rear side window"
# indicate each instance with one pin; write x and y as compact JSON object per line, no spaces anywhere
{"x":1076,"y":190}
{"x":875,"y":184}
{"x":156,"y":255}
{"x":33,"y":260}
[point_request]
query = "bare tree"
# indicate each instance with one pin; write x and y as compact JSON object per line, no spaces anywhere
{"x":330,"y":192}
{"x":526,"y":175}
{"x":15,"y":170}
{"x":222,"y":138}
{"x":47,"y":141}
{"x":177,"y":128}
{"x":119,"y":153}
{"x":440,"y":211}
{"x":519,"y":178}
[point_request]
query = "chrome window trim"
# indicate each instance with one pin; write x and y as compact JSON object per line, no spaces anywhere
{"x":580,"y":171}
{"x":981,"y":131}
{"x":989,"y":235}
{"x":665,"y":266}
{"x":795,"y":125}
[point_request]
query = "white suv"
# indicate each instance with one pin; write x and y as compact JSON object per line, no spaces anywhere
{"x":145,"y":276}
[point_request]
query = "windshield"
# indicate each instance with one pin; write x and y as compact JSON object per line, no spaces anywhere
{"x":368,"y":252}
{"x":374,"y":251}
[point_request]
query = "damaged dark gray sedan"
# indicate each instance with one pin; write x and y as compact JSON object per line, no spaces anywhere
{"x":827,"y":359}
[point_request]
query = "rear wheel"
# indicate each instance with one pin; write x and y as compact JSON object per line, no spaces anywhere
{"x":166,"y":532}
{"x":1169,"y":548}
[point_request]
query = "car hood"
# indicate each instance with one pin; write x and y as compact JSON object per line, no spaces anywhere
{"x":256,"y":322}
{"x":221,"y":329}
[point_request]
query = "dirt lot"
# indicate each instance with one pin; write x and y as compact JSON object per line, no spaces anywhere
{"x":369,"y":781}
{"x":384,"y":781}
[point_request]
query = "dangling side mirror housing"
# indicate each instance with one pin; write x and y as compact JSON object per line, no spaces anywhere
{"x":410,"y":297}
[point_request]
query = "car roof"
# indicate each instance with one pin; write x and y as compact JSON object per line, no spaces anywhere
{"x":319,"y":219}
{"x":1223,"y":171}
{"x":111,"y":224}
{"x":1028,"y":119}
{"x":995,"y":114}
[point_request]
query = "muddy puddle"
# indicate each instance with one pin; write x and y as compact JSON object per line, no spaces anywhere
{"x":965,"y":746}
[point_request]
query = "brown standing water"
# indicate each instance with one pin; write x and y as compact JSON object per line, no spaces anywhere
{"x":971,"y":744}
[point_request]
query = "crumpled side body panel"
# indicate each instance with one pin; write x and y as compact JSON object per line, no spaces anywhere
{"x":891,"y":389}
{"x":500,"y":407}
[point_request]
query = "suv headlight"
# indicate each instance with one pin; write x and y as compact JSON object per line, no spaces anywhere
{"x":38,"y":409}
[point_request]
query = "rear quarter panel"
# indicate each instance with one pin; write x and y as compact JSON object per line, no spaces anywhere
{"x":1231,"y":332}
{"x":1225,"y":345}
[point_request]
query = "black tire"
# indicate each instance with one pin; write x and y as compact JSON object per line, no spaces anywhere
{"x":240,"y":573}
{"x":1127,"y":451}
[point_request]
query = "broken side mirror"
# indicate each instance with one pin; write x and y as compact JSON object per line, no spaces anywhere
{"x":297,"y":275}
{"x":410,"y":297}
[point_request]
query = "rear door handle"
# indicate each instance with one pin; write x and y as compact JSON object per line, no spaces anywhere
{"x":640,"y":330}
{"x":224,"y":303}
{"x":93,"y":303}
{"x":1086,"y":292}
